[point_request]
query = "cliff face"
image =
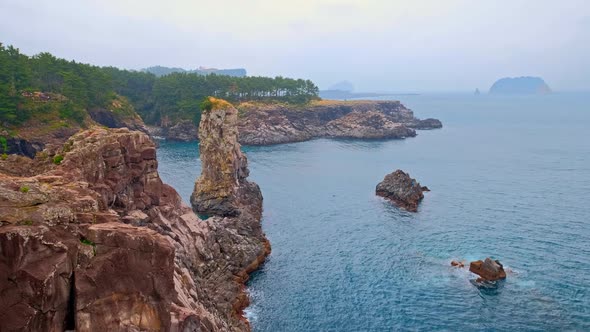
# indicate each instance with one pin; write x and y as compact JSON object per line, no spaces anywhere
{"x":99,"y":243}
{"x":273,"y":124}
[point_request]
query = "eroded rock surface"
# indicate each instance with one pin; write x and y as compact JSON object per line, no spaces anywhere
{"x":272,"y":124}
{"x":222,"y":188}
{"x":488,"y":270}
{"x":402,"y":190}
{"x":98,"y":242}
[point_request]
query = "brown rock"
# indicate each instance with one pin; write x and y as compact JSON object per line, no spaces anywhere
{"x":488,"y":270}
{"x":167,"y":270}
{"x":133,"y":268}
{"x":457,"y":264}
{"x":36,"y":269}
{"x":402,"y":190}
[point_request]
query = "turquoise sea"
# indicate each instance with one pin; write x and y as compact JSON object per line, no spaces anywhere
{"x":510,"y":179}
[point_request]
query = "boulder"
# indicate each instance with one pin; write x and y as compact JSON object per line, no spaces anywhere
{"x":402,"y":190}
{"x":488,"y":270}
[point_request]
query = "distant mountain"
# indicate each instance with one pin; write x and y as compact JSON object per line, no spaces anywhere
{"x":345,"y":95}
{"x":520,"y":85}
{"x":342,"y":86}
{"x":162,"y":71}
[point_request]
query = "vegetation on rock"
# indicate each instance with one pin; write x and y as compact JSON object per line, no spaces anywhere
{"x":61,"y":93}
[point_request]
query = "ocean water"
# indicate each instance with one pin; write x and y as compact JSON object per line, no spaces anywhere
{"x":510,"y":179}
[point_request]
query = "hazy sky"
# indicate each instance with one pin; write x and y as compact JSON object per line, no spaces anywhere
{"x":385,"y":45}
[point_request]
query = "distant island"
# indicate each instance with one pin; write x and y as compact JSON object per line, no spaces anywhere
{"x":520,"y":85}
{"x":160,"y":71}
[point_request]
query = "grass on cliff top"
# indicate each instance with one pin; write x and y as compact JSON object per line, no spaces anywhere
{"x":212,"y":103}
{"x":248,"y":105}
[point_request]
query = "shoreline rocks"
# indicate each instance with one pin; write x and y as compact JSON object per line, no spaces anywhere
{"x":101,"y":228}
{"x":268,"y":124}
{"x":402,"y":190}
{"x":262,"y":124}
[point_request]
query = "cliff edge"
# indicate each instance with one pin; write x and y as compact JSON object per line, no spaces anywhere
{"x":94,"y":241}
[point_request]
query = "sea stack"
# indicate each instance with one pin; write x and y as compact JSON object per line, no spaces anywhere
{"x":222,"y":189}
{"x":402,"y":190}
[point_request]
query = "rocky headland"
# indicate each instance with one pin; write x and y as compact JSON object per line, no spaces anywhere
{"x":274,"y":123}
{"x":92,"y":240}
{"x":257,"y":123}
{"x":402,"y":190}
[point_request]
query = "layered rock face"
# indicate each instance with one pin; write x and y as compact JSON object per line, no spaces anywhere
{"x":274,"y":124}
{"x":99,"y":243}
{"x":402,"y":190}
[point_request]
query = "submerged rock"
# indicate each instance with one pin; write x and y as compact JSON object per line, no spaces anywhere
{"x":488,"y":270}
{"x":402,"y":190}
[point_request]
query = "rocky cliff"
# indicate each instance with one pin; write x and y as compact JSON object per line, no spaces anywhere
{"x":96,"y":242}
{"x":271,"y":124}
{"x":265,"y":124}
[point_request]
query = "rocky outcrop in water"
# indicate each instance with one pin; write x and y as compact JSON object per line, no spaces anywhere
{"x":261,"y":124}
{"x":488,"y":270}
{"x":222,"y":188}
{"x":402,"y":190}
{"x":97,"y":242}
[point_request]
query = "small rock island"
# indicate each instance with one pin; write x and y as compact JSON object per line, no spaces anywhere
{"x":520,"y":86}
{"x":488,"y":270}
{"x":402,"y":190}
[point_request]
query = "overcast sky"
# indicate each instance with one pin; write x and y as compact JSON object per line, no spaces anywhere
{"x":379,"y":45}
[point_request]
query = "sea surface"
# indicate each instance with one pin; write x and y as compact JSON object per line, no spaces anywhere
{"x":510,"y":179}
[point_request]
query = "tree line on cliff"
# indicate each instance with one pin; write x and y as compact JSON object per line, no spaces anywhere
{"x":170,"y":97}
